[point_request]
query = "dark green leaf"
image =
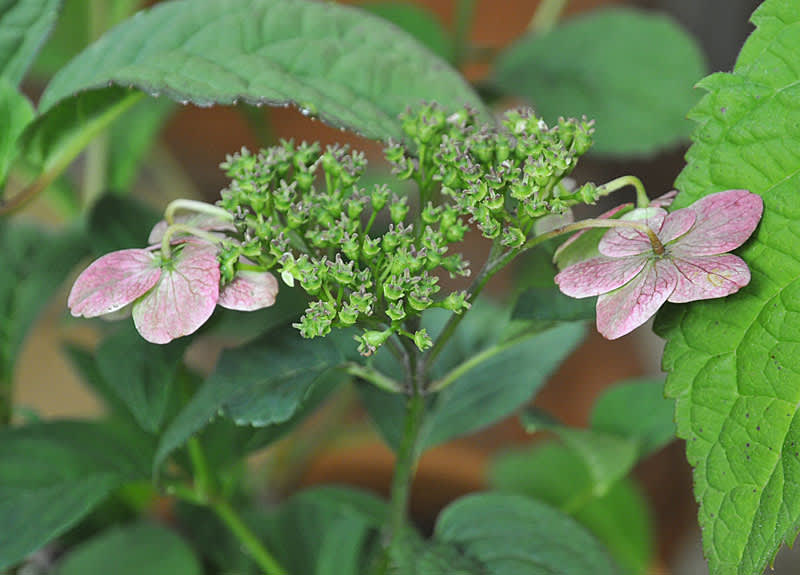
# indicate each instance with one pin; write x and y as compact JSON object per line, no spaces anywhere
{"x":631,"y":71}
{"x":608,"y":457}
{"x":352,"y":69}
{"x":515,"y":535}
{"x":132,"y":550}
{"x":418,"y":22}
{"x":262,"y":383}
{"x":733,"y":363}
{"x":52,"y":474}
{"x":119,"y":223}
{"x":34,"y":264}
{"x":637,"y":410}
{"x":142,"y":374}
{"x":24,"y":25}
{"x":131,"y":138}
{"x":549,"y":304}
{"x":16,"y":112}
{"x":558,"y":476}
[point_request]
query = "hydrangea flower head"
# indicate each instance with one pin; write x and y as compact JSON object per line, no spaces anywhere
{"x":169,"y":297}
{"x":634,"y":275}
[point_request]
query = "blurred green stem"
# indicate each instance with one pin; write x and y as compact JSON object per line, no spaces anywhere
{"x":96,"y":168}
{"x":6,"y":398}
{"x":465,"y":15}
{"x":546,"y":16}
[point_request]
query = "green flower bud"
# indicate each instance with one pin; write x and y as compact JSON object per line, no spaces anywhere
{"x":398,"y":210}
{"x":513,"y":237}
{"x":396,"y":310}
{"x":392,"y":291}
{"x":379,"y":197}
{"x":348,"y":315}
{"x":371,"y":247}
{"x":422,"y":340}
{"x":456,"y":302}
{"x":369,"y":341}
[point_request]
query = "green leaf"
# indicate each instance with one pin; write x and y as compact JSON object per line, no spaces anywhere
{"x":733,"y":363}
{"x":608,"y":457}
{"x":631,"y":71}
{"x":263,"y":383}
{"x":142,"y":374}
{"x":352,"y":69}
{"x":53,"y":474}
{"x":24,"y":25}
{"x":492,"y":376}
{"x":16,"y":112}
{"x":132,"y":550}
{"x":636,"y":409}
{"x":418,"y":22}
{"x":549,"y":304}
{"x":34,"y":264}
{"x":556,"y":475}
{"x":131,"y":138}
{"x":117,"y":223}
{"x":515,"y":535}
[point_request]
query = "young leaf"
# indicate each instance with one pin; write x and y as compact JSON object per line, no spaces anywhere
{"x":514,"y":535}
{"x":143,"y":375}
{"x":52,"y":474}
{"x":607,"y":457}
{"x":350,"y":68}
{"x":556,"y":475}
{"x":132,"y":550}
{"x":733,"y":363}
{"x":263,"y":383}
{"x":16,"y":112}
{"x":24,"y":25}
{"x":631,"y":71}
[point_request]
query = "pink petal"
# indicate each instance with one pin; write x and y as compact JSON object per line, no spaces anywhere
{"x":724,"y":222}
{"x":620,"y":242}
{"x":708,"y":277}
{"x":603,"y":216}
{"x":676,"y":224}
{"x":112,"y":282}
{"x":184,"y":298}
{"x":625,"y":309}
{"x":205,"y":222}
{"x":664,"y":200}
{"x":598,"y":275}
{"x":249,"y":291}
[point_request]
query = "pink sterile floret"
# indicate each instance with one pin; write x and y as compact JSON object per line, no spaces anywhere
{"x":633,"y":281}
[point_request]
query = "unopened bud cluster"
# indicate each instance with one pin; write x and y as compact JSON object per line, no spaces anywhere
{"x":363,"y":254}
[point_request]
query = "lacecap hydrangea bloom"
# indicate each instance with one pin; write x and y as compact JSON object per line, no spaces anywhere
{"x":682,"y":258}
{"x":169,"y":295}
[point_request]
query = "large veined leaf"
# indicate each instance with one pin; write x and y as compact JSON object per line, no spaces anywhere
{"x":344,"y":65}
{"x":52,"y":474}
{"x":734,"y":364}
{"x":24,"y":25}
{"x":629,"y":70}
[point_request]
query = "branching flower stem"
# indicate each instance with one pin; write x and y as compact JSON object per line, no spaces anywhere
{"x":642,"y":201}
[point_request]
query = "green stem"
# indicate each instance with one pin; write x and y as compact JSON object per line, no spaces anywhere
{"x":642,"y":201}
{"x":96,"y":167}
{"x":259,"y":123}
{"x":250,"y":542}
{"x":166,"y":251}
{"x":405,"y":467}
{"x":465,"y":14}
{"x":658,"y":247}
{"x":546,"y":16}
{"x":492,"y":265}
{"x":196,"y":207}
{"x":373,"y":376}
{"x":203,"y":478}
{"x":6,"y":402}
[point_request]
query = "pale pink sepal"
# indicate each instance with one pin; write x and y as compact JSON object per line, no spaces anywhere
{"x":664,"y":200}
{"x":249,"y":291}
{"x":724,"y":222}
{"x":575,"y":236}
{"x":184,"y":297}
{"x":621,"y":242}
{"x":621,"y":311}
{"x":206,"y":222}
{"x":598,"y":275}
{"x":112,"y":282}
{"x":708,"y":277}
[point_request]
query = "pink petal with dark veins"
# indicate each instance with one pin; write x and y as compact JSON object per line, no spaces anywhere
{"x":184,"y":298}
{"x":708,"y":277}
{"x":112,"y":282}
{"x":249,"y":291}
{"x":598,"y":275}
{"x":676,"y":224}
{"x":620,"y":242}
{"x":623,"y":310}
{"x":724,"y":222}
{"x":204,"y":222}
